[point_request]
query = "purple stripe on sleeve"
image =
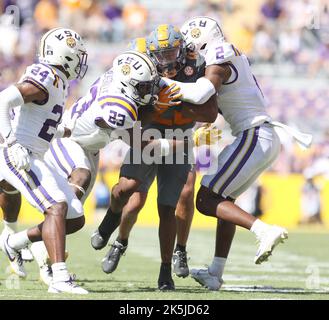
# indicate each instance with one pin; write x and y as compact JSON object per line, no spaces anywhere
{"x":243,"y":161}
{"x":40,"y":187}
{"x":121,"y":98}
{"x":229,"y":161}
{"x":66,"y":154}
{"x":26,"y":185}
{"x":39,"y":86}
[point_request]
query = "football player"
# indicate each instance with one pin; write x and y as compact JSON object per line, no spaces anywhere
{"x":175,"y":181}
{"x":110,"y":105}
{"x":255,"y":148}
{"x":36,"y":104}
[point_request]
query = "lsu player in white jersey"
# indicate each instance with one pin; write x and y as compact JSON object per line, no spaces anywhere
{"x":254,"y":149}
{"x":36,"y":104}
{"x":111,"y":103}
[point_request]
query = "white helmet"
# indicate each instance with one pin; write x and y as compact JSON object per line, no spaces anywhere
{"x":64,"y":47}
{"x":199,"y":31}
{"x":135,"y":75}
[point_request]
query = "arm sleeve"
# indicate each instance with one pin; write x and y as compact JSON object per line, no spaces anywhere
{"x":9,"y":98}
{"x":94,"y":141}
{"x":197,"y":92}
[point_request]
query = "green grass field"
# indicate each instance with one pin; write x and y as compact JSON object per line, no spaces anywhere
{"x":298,"y":269}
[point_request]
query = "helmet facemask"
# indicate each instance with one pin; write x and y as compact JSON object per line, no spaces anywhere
{"x":169,"y":61}
{"x":82,"y":67}
{"x":145,"y":92}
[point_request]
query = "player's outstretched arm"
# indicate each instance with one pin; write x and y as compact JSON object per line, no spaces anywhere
{"x":205,"y":87}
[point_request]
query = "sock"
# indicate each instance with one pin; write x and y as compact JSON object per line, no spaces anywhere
{"x":165,"y":271}
{"x":10,"y":227}
{"x":217,"y":267}
{"x":60,"y":272}
{"x":180,"y":248}
{"x":124,"y":242}
{"x":19,"y":240}
{"x":40,"y":253}
{"x":258,"y":227}
{"x":110,"y":222}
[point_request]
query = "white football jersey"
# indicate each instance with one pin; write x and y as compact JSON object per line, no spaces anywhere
{"x":103,"y":101}
{"x":35,"y":124}
{"x":241,"y":100}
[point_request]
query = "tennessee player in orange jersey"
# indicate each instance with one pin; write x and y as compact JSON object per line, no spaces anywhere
{"x":175,"y":181}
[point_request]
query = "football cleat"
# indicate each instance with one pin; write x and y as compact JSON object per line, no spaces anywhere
{"x":167,"y":285}
{"x":180,"y":267}
{"x":14,"y":256}
{"x":270,"y":238}
{"x":111,"y":260}
{"x":46,"y":274}
{"x":66,"y":287}
{"x":165,"y":281}
{"x":27,"y":255}
{"x":97,"y":241}
{"x":207,"y":280}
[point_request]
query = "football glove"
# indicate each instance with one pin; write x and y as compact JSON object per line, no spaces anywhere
{"x":20,"y":156}
{"x":169,"y":97}
{"x":208,"y":135}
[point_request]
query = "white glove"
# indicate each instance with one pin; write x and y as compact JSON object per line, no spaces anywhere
{"x":20,"y":156}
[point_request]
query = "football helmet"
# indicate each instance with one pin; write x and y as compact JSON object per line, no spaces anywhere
{"x":167,"y":48}
{"x":64,"y":47}
{"x":138,"y":44}
{"x":135,"y":75}
{"x":199,"y":31}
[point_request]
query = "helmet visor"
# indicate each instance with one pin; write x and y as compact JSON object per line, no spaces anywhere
{"x":167,"y":57}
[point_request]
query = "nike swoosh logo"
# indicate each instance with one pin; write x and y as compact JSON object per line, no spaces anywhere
{"x":8,"y":254}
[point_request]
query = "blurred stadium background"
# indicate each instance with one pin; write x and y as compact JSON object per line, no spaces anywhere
{"x":287,"y":43}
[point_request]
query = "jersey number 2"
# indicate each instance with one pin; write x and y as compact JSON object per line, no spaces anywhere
{"x":51,"y":123}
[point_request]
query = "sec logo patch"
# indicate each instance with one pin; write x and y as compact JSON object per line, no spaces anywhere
{"x":188,"y":71}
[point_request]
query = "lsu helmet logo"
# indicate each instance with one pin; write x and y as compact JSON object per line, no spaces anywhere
{"x":195,"y":33}
{"x":125,"y":69}
{"x":71,"y":42}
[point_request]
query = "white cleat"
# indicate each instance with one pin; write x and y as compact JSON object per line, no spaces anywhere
{"x":27,"y":255}
{"x":268,"y":241}
{"x":46,"y":274}
{"x":14,"y":256}
{"x":66,"y":287}
{"x":207,"y":280}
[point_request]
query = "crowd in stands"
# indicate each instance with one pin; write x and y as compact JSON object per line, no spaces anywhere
{"x":287,"y":37}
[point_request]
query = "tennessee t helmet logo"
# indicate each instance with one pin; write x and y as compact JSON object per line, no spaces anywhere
{"x":71,"y":42}
{"x":195,"y":33}
{"x":125,"y":69}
